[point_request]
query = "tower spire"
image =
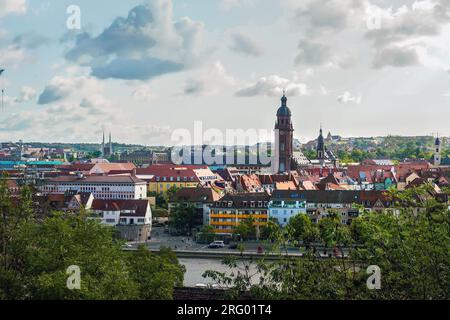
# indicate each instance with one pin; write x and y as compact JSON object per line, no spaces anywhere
{"x":284,"y":99}
{"x":103,"y":144}
{"x":110,"y":144}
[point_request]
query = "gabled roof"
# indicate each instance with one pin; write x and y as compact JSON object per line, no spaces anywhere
{"x":288,"y":185}
{"x":136,"y":208}
{"x":107,"y":167}
{"x":159,"y":171}
{"x":205,"y":195}
{"x":83,"y":197}
{"x":250,"y":182}
{"x":77,"y":167}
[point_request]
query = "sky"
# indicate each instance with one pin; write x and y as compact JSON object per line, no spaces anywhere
{"x":144,"y":68}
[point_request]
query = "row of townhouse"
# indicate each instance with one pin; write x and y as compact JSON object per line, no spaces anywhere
{"x":225,"y":213}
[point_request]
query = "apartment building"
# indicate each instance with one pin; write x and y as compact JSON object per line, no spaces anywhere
{"x":102,"y":187}
{"x":227,"y":213}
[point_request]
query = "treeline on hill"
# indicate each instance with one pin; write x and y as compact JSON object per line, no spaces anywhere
{"x":410,"y":247}
{"x":36,"y":252}
{"x":391,"y":147}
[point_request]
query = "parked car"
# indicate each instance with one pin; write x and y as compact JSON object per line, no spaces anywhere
{"x":216,"y":245}
{"x":260,"y":250}
{"x":233,"y":246}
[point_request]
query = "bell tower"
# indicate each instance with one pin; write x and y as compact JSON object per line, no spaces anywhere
{"x":284,"y":138}
{"x":437,"y":152}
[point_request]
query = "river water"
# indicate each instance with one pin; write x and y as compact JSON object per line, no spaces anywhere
{"x":196,"y":267}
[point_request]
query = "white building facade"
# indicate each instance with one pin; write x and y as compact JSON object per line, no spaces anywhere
{"x":102,"y":187}
{"x":283,"y":209}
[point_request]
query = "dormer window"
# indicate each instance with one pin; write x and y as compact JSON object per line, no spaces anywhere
{"x":230,"y":204}
{"x":252,"y":204}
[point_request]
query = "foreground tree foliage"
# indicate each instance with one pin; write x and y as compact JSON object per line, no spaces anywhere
{"x":410,"y":246}
{"x":183,"y":218}
{"x":36,"y":252}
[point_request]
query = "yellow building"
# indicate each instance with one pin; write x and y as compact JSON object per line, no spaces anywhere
{"x":226,"y":214}
{"x":162,"y":177}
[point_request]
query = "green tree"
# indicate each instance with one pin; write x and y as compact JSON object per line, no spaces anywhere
{"x":170,"y":193}
{"x":272,"y":231}
{"x":159,"y":199}
{"x":38,"y":249}
{"x":410,"y":243}
{"x":302,"y":229}
{"x":183,"y":218}
{"x":207,"y":234}
{"x":246,"y":229}
{"x":156,"y":275}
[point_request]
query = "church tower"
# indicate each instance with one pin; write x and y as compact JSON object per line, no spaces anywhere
{"x":437,"y":152}
{"x":103,"y":146}
{"x":284,"y":138}
{"x":320,"y":146}
{"x":110,"y":144}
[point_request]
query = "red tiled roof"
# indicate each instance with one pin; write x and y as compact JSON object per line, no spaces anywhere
{"x":250,"y":182}
{"x":107,"y":167}
{"x":160,"y":171}
{"x":196,"y":195}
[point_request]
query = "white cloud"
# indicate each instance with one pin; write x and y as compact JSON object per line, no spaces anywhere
{"x":12,"y":56}
{"x":62,"y":87}
{"x":230,"y":4}
{"x":347,"y":97}
{"x":273,"y":86}
{"x":143,"y":93}
{"x":396,"y":57}
{"x":12,"y":7}
{"x":147,"y":43}
{"x":208,"y":81}
{"x":243,"y":43}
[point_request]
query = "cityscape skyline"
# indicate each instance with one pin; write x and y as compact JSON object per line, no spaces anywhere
{"x":223,"y":63}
